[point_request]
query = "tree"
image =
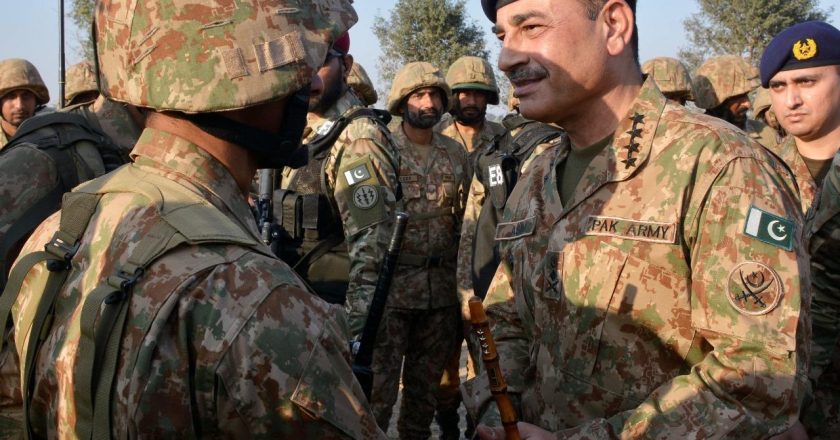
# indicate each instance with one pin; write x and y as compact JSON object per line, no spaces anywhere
{"x":82,"y":16}
{"x":436,"y":31}
{"x":742,"y":27}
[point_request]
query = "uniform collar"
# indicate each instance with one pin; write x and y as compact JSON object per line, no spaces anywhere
{"x":186,"y":163}
{"x":347,"y":102}
{"x":787,"y":151}
{"x":628,"y":152}
{"x":402,"y":142}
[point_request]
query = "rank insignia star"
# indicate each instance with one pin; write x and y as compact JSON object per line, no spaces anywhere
{"x":633,"y":146}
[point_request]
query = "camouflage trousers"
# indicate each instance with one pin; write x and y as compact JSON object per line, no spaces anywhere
{"x":424,"y":340}
{"x":11,"y":402}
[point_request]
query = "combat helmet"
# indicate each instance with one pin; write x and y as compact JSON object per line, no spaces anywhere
{"x":17,"y":73}
{"x":81,"y":78}
{"x":415,"y":76}
{"x":760,"y":102}
{"x":671,"y":76}
{"x":721,"y":78}
{"x":473,"y":73}
{"x":360,"y":82}
{"x":200,"y":57}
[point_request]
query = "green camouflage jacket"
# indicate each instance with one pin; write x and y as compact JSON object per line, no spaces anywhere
{"x":367,"y":229}
{"x":665,"y":300}
{"x":434,"y":193}
{"x":807,"y":187}
{"x":221,"y":341}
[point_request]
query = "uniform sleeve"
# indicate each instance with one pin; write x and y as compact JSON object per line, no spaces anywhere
{"x":365,"y":186}
{"x":748,"y":303}
{"x":464,"y":270}
{"x":292,"y":380}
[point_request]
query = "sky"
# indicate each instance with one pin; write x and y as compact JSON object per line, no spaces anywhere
{"x":30,"y":29}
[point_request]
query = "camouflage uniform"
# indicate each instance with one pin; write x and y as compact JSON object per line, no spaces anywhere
{"x":671,"y":76}
{"x":805,"y":184}
{"x":646,"y":307}
{"x":823,"y":416}
{"x":80,"y":78}
{"x":721,"y":78}
{"x":763,"y":127}
{"x":422,"y":314}
{"x":221,"y":340}
{"x":16,"y":73}
{"x":363,"y":147}
{"x":360,"y":82}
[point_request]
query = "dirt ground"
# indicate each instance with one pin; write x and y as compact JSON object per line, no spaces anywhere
{"x":392,"y":427}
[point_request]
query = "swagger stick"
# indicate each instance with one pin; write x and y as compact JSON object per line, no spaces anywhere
{"x":498,"y":386}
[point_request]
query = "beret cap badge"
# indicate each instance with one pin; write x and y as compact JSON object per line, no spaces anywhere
{"x":804,"y":50}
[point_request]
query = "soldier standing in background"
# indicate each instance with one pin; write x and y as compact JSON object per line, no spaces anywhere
{"x":421,"y":319}
{"x":207,"y":334}
{"x":80,"y":87}
{"x":722,"y":85}
{"x":360,"y":82}
{"x":801,"y":68}
{"x":22,"y":94}
{"x":337,"y":211}
{"x":672,"y":78}
{"x":764,"y":126}
{"x":652,"y":280}
{"x":473,"y":86}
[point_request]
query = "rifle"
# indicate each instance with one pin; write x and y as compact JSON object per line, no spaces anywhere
{"x":364,"y":354}
{"x":265,"y":210}
{"x":498,"y":386}
{"x":61,"y":75}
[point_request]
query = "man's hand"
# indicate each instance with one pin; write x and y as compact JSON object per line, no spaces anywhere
{"x":526,"y":430}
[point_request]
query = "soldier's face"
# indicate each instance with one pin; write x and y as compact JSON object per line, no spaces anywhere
{"x":555,"y":56}
{"x":807,"y":101}
{"x":470,"y":106}
{"x":736,"y":109}
{"x":18,"y":106}
{"x":332,"y":75}
{"x":424,"y":107}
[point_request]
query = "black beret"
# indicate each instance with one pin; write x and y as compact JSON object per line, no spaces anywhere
{"x":490,"y":7}
{"x":803,"y":45}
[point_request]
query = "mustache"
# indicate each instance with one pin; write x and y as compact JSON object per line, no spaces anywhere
{"x":428,"y":113}
{"x":527,"y":73}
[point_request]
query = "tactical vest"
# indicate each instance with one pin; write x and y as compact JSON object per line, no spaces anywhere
{"x":190,"y":221}
{"x":311,"y":238}
{"x":56,"y":134}
{"x":498,"y":168}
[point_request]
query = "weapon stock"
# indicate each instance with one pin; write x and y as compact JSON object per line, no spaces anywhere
{"x":364,"y":356}
{"x":498,"y":386}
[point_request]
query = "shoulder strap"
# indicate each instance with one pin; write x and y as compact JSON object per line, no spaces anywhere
{"x":322,"y":144}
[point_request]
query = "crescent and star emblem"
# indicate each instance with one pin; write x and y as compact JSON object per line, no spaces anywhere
{"x":805,"y":50}
{"x":772,"y":228}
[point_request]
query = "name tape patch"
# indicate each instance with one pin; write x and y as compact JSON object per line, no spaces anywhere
{"x":769,"y":228}
{"x":657,"y":232}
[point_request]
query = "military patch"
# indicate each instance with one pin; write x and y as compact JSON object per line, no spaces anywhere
{"x":769,"y":228}
{"x":753,"y":288}
{"x":656,"y":232}
{"x":365,"y":197}
{"x":805,"y":50}
{"x":517,"y":229}
{"x":495,"y":175}
{"x":357,"y":174}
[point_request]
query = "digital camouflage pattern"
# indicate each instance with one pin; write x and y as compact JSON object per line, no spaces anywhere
{"x":823,"y":417}
{"x":723,"y":77}
{"x":805,"y":187}
{"x":17,"y":73}
{"x":80,"y":78}
{"x":762,"y":133}
{"x":415,"y":76}
{"x":644,"y":308}
{"x":671,"y":76}
{"x":471,"y":143}
{"x":360,"y":82}
{"x":421,"y":316}
{"x":362,"y":144}
{"x":267,"y":357}
{"x":210,"y":58}
{"x":473,"y":73}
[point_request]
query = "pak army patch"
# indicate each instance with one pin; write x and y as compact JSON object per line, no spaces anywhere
{"x":769,"y":228}
{"x":753,"y":288}
{"x":365,"y":197}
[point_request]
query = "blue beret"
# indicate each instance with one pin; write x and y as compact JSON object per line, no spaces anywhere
{"x":490,"y":7}
{"x":803,"y":45}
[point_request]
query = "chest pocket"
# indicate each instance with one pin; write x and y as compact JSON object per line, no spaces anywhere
{"x":613,"y":320}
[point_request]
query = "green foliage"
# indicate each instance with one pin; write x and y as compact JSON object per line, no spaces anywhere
{"x":742,"y":27}
{"x":436,"y":31}
{"x":82,"y":15}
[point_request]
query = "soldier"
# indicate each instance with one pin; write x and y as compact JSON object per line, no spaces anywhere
{"x":338,"y":247}
{"x":80,"y":84}
{"x":767,"y":131}
{"x":360,"y":82}
{"x":650,"y":284}
{"x":202,"y":332}
{"x":22,"y":93}
{"x":421,"y":316}
{"x":671,"y":77}
{"x":722,"y":86}
{"x":801,"y":67}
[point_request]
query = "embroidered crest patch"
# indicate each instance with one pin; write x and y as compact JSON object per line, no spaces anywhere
{"x":365,"y":197}
{"x":753,"y":288}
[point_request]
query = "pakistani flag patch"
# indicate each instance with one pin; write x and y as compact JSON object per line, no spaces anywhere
{"x":769,"y":228}
{"x":357,"y":174}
